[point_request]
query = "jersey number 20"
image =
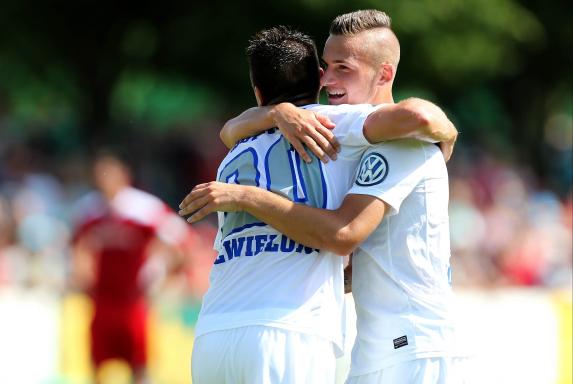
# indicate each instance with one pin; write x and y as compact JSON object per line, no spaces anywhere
{"x":284,"y":173}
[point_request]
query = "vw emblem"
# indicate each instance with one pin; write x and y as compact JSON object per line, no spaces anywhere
{"x":373,"y":170}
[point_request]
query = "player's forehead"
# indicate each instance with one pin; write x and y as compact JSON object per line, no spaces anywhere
{"x":345,"y":49}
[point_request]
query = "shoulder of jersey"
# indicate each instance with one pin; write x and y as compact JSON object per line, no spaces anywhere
{"x":372,"y":170}
{"x":139,"y":206}
{"x":89,"y":207}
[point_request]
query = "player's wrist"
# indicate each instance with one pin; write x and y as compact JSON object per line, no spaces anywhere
{"x":246,"y":198}
{"x":272,"y":114}
{"x":278,"y":111}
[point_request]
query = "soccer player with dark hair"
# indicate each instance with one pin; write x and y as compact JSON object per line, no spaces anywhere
{"x":294,"y":75}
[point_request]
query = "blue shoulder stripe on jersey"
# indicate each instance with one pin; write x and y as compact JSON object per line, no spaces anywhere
{"x":297,"y":174}
{"x":324,"y":189}
{"x":267,"y":170}
{"x":236,"y":175}
{"x":255,"y":161}
{"x":246,"y":226}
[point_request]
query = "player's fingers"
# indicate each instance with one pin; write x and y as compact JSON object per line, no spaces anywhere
{"x":319,"y":136}
{"x":299,"y":148}
{"x":187,"y":200}
{"x":201,"y":213}
{"x":329,"y":135}
{"x":315,"y":148}
{"x":196,"y":192}
{"x":325,"y":121}
{"x":194,"y":206}
{"x":323,"y":144}
{"x":192,"y":194}
{"x":184,"y":202}
{"x":201,"y":186}
{"x":194,"y":203}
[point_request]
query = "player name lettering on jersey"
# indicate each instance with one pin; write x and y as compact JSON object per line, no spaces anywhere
{"x":253,"y":245}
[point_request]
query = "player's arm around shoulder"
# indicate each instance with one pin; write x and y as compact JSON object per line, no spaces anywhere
{"x":249,"y":123}
{"x":299,"y":126}
{"x":411,"y":118}
{"x":358,"y":216}
{"x":338,"y":231}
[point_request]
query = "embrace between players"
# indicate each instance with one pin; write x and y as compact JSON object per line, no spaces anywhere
{"x":275,"y":308}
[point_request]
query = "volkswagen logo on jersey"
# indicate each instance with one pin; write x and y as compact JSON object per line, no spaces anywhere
{"x":373,"y":170}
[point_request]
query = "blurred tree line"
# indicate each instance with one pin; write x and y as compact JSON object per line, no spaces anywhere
{"x":87,"y":72}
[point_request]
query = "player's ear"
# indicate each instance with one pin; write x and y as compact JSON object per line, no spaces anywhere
{"x":320,"y":72}
{"x":386,"y":74}
{"x":258,"y":96}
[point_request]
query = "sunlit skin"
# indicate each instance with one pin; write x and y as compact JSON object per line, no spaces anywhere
{"x":111,"y":176}
{"x":353,"y":74}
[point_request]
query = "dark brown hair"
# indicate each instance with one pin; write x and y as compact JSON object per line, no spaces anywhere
{"x":284,"y":65}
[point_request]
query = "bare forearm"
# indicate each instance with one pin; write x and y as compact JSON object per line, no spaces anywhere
{"x":249,"y":123}
{"x":313,"y":227}
{"x":410,"y":118}
{"x":339,"y":231}
{"x":434,"y":124}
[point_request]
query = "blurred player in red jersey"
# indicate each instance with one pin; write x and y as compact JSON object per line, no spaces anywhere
{"x":120,"y":227}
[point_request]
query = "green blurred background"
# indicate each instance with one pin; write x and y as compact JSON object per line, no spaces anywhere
{"x":74,"y":75}
{"x":160,"y":78}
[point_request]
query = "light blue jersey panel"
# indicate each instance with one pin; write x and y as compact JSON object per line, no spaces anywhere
{"x":269,"y":161}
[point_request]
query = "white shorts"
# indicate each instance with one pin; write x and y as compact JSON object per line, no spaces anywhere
{"x":434,"y":370}
{"x":262,"y":355}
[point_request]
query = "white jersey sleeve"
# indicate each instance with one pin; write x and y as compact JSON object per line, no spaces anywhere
{"x":146,"y":209}
{"x":349,"y":121}
{"x":390,"y":171}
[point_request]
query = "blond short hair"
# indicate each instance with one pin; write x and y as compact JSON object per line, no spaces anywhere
{"x":359,"y":21}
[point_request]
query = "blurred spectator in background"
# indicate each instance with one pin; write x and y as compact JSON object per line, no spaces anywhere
{"x":505,"y":231}
{"x":10,"y":252}
{"x":35,"y":225}
{"x":124,"y":239}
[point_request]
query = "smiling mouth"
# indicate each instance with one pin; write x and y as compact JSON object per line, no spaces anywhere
{"x":335,"y":95}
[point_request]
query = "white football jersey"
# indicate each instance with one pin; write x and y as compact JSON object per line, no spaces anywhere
{"x":262,"y":277}
{"x":401,"y":273}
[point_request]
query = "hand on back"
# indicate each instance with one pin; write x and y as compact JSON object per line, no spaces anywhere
{"x":303,"y":127}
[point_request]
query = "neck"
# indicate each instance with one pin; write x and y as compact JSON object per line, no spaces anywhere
{"x":110,"y":193}
{"x":298,"y":103}
{"x":383,"y":96}
{"x":294,"y":98}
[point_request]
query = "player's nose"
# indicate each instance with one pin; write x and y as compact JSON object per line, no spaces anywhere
{"x":326,"y":79}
